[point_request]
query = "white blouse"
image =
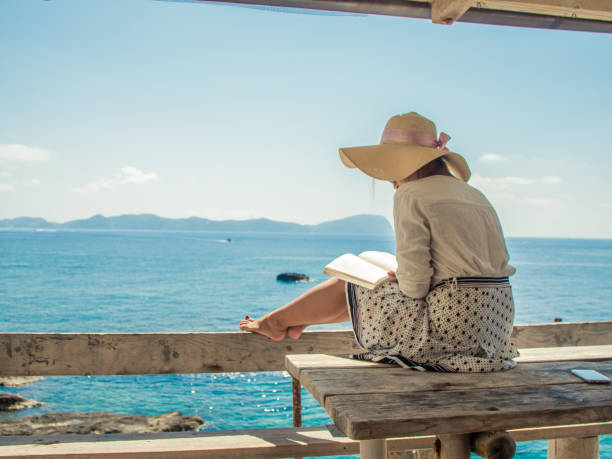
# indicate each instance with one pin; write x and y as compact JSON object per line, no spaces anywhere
{"x":444,"y":228}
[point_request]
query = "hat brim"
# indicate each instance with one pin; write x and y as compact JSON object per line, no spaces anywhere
{"x":397,"y":161}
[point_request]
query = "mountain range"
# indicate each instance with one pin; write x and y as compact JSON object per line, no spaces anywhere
{"x":357,"y":224}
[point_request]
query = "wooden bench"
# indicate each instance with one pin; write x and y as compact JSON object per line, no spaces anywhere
{"x":41,"y":354}
{"x":352,"y":391}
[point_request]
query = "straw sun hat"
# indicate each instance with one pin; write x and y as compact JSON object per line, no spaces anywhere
{"x":408,"y":142}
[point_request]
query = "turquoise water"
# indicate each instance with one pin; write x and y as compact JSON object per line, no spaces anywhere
{"x":196,"y":281}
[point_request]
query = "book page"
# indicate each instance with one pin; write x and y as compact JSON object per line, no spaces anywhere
{"x":355,"y":268}
{"x":383,"y":260}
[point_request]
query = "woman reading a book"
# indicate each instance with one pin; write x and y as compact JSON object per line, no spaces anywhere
{"x":448,"y":306}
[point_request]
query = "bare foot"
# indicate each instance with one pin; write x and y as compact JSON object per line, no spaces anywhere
{"x":296,"y":331}
{"x":264,"y":326}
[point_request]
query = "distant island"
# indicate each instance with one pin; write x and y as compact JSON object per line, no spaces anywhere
{"x":357,"y":224}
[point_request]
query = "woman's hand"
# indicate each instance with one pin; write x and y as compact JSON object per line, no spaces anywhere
{"x":391,"y":275}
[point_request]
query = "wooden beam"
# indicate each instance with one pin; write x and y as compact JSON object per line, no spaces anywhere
{"x":306,"y":441}
{"x":247,"y":443}
{"x":481,"y":12}
{"x":43,"y":354}
{"x":562,"y":334}
{"x":599,"y":10}
{"x":448,"y":11}
{"x":47,"y":354}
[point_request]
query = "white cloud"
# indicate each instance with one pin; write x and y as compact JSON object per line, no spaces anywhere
{"x":499,"y":184}
{"x":511,"y":181}
{"x":536,"y":201}
{"x":492,"y":158}
{"x":12,"y":186}
{"x":4,"y":174}
{"x":125,"y":175}
{"x":552,"y":180}
{"x":17,"y":152}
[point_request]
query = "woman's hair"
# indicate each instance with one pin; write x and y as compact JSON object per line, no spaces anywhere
{"x":435,"y":167}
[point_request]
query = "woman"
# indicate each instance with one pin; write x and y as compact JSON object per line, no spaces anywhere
{"x":449,"y":306}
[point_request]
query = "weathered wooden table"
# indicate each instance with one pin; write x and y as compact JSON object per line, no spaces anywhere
{"x":372,"y":402}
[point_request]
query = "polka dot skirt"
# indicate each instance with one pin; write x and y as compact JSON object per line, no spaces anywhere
{"x":458,"y":327}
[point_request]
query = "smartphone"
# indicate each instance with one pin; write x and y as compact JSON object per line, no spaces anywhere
{"x":591,"y":376}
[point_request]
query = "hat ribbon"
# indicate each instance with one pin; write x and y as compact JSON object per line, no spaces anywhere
{"x":416,"y":137}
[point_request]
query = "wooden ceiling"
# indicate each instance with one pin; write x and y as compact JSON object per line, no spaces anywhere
{"x":580,"y":15}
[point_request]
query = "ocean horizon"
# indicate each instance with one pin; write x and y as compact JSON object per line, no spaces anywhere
{"x":195,"y":281}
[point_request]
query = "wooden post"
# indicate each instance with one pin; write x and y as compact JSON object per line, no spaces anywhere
{"x":453,"y":446}
{"x":573,"y":448}
{"x":373,"y":449}
{"x":493,"y":445}
{"x":296,"y":391}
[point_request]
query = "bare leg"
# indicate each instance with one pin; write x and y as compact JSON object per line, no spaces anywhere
{"x":323,"y":304}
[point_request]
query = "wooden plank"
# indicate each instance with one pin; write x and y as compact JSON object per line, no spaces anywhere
{"x":251,"y":443}
{"x":45,"y":354}
{"x":298,"y":362}
{"x":600,"y":10}
{"x":583,"y":448}
{"x":551,"y":433}
{"x":448,"y":412}
{"x":42,"y":354}
{"x":549,"y":354}
{"x":325,"y":383}
{"x":562,"y":334}
{"x":422,"y":10}
{"x":295,"y":364}
{"x":448,"y":11}
{"x":536,"y":21}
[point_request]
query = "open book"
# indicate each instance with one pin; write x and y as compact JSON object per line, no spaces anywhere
{"x":368,"y":269}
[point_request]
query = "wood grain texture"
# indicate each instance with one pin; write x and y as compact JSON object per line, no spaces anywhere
{"x":324,"y":383}
{"x":453,"y":447}
{"x":241,"y":443}
{"x":461,"y":411}
{"x":448,"y":11}
{"x":583,"y":448}
{"x":600,"y":10}
{"x":250,"y":443}
{"x":41,"y":354}
{"x":422,"y":10}
{"x":554,"y":432}
{"x":561,"y":334}
{"x":46,"y":354}
{"x":549,"y":354}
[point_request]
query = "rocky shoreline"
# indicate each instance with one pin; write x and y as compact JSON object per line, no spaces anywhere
{"x":98,"y":423}
{"x":14,"y":381}
{"x":82,"y":423}
{"x":14,"y":402}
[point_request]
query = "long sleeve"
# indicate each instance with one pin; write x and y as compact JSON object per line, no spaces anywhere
{"x":413,"y":242}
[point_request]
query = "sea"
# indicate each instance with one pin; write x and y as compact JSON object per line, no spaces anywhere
{"x":147,"y":281}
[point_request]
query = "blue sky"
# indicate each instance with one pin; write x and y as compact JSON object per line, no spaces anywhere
{"x":181,"y":109}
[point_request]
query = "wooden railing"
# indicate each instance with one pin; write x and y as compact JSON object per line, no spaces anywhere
{"x":63,"y":354}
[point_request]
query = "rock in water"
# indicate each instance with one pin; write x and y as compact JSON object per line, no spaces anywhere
{"x":14,"y":381}
{"x":11,"y":402}
{"x":98,"y":423}
{"x":292,"y":277}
